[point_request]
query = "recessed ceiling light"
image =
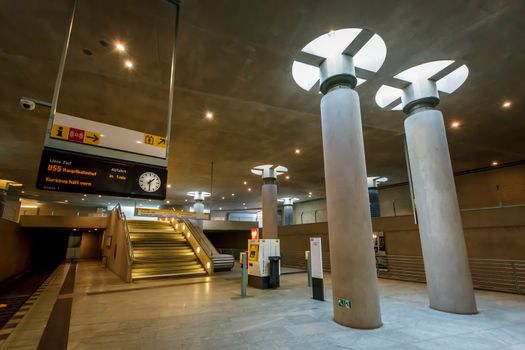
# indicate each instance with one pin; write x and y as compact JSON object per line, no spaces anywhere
{"x":297,"y":151}
{"x":233,"y":194}
{"x":494,"y":163}
{"x":149,"y":200}
{"x":249,"y":189}
{"x":310,"y":193}
{"x":287,"y":177}
{"x":85,"y":195}
{"x":138,"y":141}
{"x":74,"y":229}
{"x":65,"y":201}
{"x":128,"y":64}
{"x":455,"y":124}
{"x":209,"y":115}
{"x":99,"y":196}
{"x":220,"y":208}
{"x":167,"y":201}
{"x":245,"y":183}
{"x":168,"y":186}
{"x":120,"y":47}
{"x":23,"y":192}
{"x":185,"y":200}
{"x":506,"y":104}
{"x":102,"y":135}
{"x":83,"y":198}
{"x":243,"y":203}
{"x":222,"y":197}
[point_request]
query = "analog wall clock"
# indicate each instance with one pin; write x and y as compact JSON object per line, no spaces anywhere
{"x":149,"y":181}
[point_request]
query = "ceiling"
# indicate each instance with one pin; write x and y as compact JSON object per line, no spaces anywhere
{"x":234,"y":58}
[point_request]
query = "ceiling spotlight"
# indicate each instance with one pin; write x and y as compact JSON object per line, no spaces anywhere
{"x":168,"y":201}
{"x":102,"y":135}
{"x":297,"y":151}
{"x":233,"y":194}
{"x":287,"y":177}
{"x":220,"y":208}
{"x":494,"y":163}
{"x":128,"y":64}
{"x":222,"y":197}
{"x":65,"y":201}
{"x":185,"y":200}
{"x":22,"y":191}
{"x":249,"y":189}
{"x":85,"y":195}
{"x":120,"y":47}
{"x":209,"y":115}
{"x":83,"y":199}
{"x":506,"y":104}
{"x":309,"y":193}
{"x":138,"y":141}
{"x":455,"y":124}
{"x":245,"y":183}
{"x":243,"y":203}
{"x":168,"y":186}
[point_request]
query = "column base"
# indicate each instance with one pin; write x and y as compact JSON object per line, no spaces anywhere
{"x":318,"y":288}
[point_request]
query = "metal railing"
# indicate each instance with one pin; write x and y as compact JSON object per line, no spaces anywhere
{"x":203,"y":241}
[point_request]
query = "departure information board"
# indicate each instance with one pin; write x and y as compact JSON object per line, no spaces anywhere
{"x":64,"y":171}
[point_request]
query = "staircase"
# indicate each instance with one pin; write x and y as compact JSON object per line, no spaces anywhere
{"x":161,"y":251}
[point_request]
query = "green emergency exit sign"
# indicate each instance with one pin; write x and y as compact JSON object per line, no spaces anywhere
{"x":344,"y":303}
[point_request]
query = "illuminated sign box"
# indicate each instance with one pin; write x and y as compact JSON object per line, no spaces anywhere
{"x":64,"y":171}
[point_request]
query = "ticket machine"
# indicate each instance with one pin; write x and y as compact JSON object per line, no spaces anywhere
{"x":259,"y":251}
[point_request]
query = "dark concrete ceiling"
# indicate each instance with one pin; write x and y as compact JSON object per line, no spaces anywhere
{"x":234,"y":58}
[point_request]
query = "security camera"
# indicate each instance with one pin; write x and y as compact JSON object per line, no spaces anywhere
{"x":27,"y":104}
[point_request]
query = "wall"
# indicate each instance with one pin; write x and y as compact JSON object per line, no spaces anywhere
{"x":15,"y":250}
{"x":116,"y":253}
{"x":492,"y":187}
{"x":489,"y":234}
{"x":79,"y":222}
{"x":90,"y":245}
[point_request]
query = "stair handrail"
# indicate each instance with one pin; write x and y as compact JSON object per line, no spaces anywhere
{"x":122,"y":216}
{"x":206,"y":245}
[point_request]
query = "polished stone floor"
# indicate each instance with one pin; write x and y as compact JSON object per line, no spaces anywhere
{"x":208,"y":313}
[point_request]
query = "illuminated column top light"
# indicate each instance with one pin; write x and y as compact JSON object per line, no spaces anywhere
{"x":351,"y":54}
{"x":269,"y":171}
{"x":198,"y":196}
{"x":288,"y":200}
{"x":373,"y":181}
{"x":420,"y":85}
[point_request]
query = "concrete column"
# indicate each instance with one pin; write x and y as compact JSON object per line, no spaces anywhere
{"x":373,"y":194}
{"x":269,"y":175}
{"x":198,"y":206}
{"x":353,"y":268}
{"x":288,"y":210}
{"x":269,"y":209}
{"x":445,"y":255}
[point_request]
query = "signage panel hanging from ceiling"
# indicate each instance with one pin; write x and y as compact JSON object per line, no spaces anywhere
{"x":86,"y":156}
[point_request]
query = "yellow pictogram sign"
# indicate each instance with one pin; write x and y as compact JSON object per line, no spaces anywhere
{"x":154,"y":140}
{"x":68,"y":133}
{"x":60,"y":132}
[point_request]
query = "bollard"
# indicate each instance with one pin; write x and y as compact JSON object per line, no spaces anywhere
{"x":244,"y":278}
{"x":308,"y":267}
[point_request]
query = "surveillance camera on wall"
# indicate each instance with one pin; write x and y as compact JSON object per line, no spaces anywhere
{"x":27,"y":104}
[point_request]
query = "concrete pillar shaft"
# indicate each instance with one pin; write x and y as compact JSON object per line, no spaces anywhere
{"x":287,"y":214}
{"x":444,"y":252}
{"x":198,"y":207}
{"x":353,"y":268}
{"x":269,"y":210}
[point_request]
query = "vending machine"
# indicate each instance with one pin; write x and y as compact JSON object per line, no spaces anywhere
{"x":259,"y":253}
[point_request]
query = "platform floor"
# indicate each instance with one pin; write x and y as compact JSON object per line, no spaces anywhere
{"x":208,"y":313}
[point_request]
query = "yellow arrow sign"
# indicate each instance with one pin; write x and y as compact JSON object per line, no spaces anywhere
{"x":92,"y":138}
{"x":154,"y":140}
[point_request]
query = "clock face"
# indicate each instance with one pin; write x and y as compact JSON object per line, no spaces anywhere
{"x":149,"y":181}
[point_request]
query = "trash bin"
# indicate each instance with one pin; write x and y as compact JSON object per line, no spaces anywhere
{"x":274,"y":272}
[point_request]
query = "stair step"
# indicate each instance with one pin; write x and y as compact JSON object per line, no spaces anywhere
{"x":181,"y":274}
